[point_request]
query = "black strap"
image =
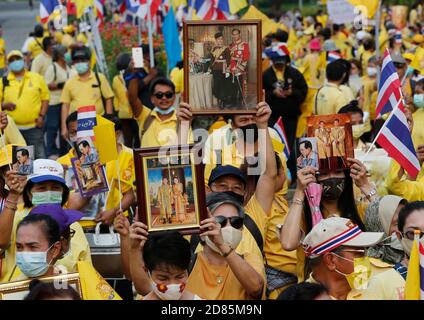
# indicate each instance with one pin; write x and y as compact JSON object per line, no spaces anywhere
{"x":316,"y":100}
{"x":5,"y":83}
{"x":55,"y":72}
{"x":100,"y":88}
{"x":39,"y":44}
{"x":192,"y":261}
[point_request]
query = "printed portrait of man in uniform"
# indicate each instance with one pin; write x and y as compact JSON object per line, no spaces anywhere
{"x":223,"y":73}
{"x":333,"y":134}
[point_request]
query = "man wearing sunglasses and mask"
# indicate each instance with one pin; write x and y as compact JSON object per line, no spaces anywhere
{"x":336,"y":250}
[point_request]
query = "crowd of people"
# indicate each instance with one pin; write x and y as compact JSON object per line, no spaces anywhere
{"x":259,"y":240}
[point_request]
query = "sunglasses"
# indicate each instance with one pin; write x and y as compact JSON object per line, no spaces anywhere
{"x":160,"y":95}
{"x":410,"y":234}
{"x":236,"y":222}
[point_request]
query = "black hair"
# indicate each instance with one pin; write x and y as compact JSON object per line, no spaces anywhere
{"x":163,"y":81}
{"x":72,"y":117}
{"x":166,"y":248}
{"x":407,"y":210}
{"x":218,"y":35}
{"x":86,"y":52}
{"x":38,"y":30}
{"x":235,"y":29}
{"x":351,"y":107}
{"x":30,"y":184}
{"x":307,"y":143}
{"x":326,"y":33}
{"x":303,"y":291}
{"x":50,"y":227}
{"x":346,"y":64}
{"x":345,"y":204}
{"x":335,"y":71}
{"x":47,"y":290}
{"x":336,"y":27}
{"x":318,"y":24}
{"x":23,"y":152}
{"x":47,"y":42}
{"x":368,"y":44}
{"x":357,"y":63}
{"x":84,"y":143}
{"x":115,"y":120}
{"x":281,"y":35}
{"x":420,"y":83}
{"x":122,"y":61}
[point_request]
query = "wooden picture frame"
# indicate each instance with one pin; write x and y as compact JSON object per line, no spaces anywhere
{"x":178,"y":204}
{"x":332,"y":156}
{"x":237,"y":88}
{"x":18,"y":290}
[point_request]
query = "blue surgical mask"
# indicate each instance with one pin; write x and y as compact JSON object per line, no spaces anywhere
{"x":82,"y":67}
{"x":68,"y":58}
{"x":47,"y":197}
{"x":409,"y":71}
{"x":419,"y":100}
{"x":17,"y":65}
{"x":33,"y":264}
{"x":164,"y":111}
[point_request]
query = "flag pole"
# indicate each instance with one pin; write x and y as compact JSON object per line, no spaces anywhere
{"x":149,"y":26}
{"x":119,"y":185}
{"x":377,"y":37}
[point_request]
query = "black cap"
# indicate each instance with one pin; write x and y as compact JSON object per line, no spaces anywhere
{"x":221,"y":171}
{"x":82,"y":53}
{"x":122,"y":61}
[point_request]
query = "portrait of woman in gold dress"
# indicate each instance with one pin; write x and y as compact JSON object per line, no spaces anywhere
{"x":179,"y":201}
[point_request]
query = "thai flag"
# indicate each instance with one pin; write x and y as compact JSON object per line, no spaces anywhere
{"x":333,"y":56}
{"x":389,"y":89}
{"x":121,"y":5}
{"x":46,"y":9}
{"x":279,"y":127}
{"x":143,"y":6}
{"x":86,"y":121}
{"x":212,"y":9}
{"x":99,"y":4}
{"x":395,"y":138}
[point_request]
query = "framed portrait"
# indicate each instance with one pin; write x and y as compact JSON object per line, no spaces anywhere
{"x":170,"y":188}
{"x":334,"y":140}
{"x":222,"y":66}
{"x":307,"y":153}
{"x":90,"y":177}
{"x":18,"y":290}
{"x":22,"y":159}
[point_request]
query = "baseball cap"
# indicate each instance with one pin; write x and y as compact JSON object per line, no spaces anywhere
{"x":15,"y":53}
{"x":82,"y":53}
{"x":334,"y":232}
{"x":63,"y":217}
{"x":216,"y":199}
{"x":221,"y":171}
{"x":47,"y":170}
{"x":315,"y":44}
{"x":418,"y":38}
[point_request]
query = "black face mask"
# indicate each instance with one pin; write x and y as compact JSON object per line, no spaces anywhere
{"x":332,"y":188}
{"x":248,"y":135}
{"x":236,"y":196}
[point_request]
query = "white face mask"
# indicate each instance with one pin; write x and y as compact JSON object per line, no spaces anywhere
{"x":394,"y":242}
{"x":168,"y":291}
{"x":371,"y":71}
{"x":231,"y":236}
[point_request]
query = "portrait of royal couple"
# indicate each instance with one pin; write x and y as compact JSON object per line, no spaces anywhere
{"x":227,"y":62}
{"x":172,"y":201}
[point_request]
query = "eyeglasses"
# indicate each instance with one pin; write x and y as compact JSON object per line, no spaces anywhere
{"x":410,"y":234}
{"x":160,"y":95}
{"x":236,"y":222}
{"x":358,"y":252}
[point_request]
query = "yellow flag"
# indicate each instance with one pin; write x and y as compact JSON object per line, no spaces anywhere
{"x":268,"y":25}
{"x":412,"y":286}
{"x":93,"y":285}
{"x":82,"y":5}
{"x":291,"y":42}
{"x":176,"y":3}
{"x":370,"y":5}
{"x":237,"y":5}
{"x":278,"y":146}
{"x":105,"y":141}
{"x":418,"y":62}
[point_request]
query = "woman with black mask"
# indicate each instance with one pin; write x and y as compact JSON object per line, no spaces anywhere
{"x":337,"y":200}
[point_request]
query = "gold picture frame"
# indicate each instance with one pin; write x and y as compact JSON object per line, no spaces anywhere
{"x":18,"y":290}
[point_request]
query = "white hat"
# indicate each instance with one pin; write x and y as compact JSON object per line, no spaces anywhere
{"x":334,"y":232}
{"x":47,"y":170}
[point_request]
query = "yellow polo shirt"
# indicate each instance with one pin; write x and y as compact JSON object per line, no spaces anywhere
{"x":35,"y":47}
{"x":41,"y":63}
{"x":177,"y":77}
{"x":418,"y":130}
{"x":329,"y":99}
{"x":120,"y":101}
{"x":2,"y":53}
{"x":33,"y":91}
{"x":80,"y":250}
{"x":79,"y":93}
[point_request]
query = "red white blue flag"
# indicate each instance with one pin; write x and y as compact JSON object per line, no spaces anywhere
{"x":279,"y":127}
{"x":212,"y":9}
{"x":86,"y":121}
{"x":46,"y":9}
{"x":333,"y":56}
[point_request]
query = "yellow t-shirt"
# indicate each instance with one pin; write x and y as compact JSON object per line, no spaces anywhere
{"x":35,"y":47}
{"x":33,"y":90}
{"x":348,"y":93}
{"x":79,"y":93}
{"x":41,"y":63}
{"x":2,"y":53}
{"x":121,"y":102}
{"x":80,"y":250}
{"x":62,"y":75}
{"x":369,"y":88}
{"x":329,"y":99}
{"x":364,"y":57}
{"x":67,"y":40}
{"x":418,"y":130}
{"x":215,"y":282}
{"x":311,"y":69}
{"x":177,"y":77}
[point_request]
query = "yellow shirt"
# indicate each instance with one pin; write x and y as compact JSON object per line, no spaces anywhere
{"x":369,"y":88}
{"x":41,"y":63}
{"x":2,"y":53}
{"x":215,"y":282}
{"x":218,"y":124}
{"x":347,"y":91}
{"x":121,"y":102}
{"x":79,"y":93}
{"x":33,"y":90}
{"x":312,"y":70}
{"x":177,"y":77}
{"x":364,"y":57}
{"x":35,"y":47}
{"x":329,"y":99}
{"x":80,"y":250}
{"x":62,"y":75}
{"x":67,"y":40}
{"x":418,"y":130}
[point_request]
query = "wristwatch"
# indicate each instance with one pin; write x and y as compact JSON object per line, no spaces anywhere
{"x":226,"y":254}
